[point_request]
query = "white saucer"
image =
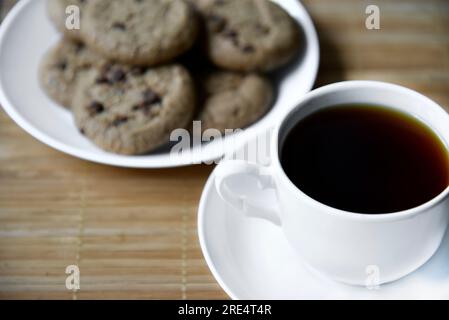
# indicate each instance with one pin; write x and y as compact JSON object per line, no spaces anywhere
{"x":26,"y":34}
{"x":251,"y":259}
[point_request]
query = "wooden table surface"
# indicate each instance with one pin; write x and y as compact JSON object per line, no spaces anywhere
{"x":133,"y":232}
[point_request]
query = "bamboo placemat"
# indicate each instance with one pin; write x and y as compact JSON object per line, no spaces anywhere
{"x":133,"y":232}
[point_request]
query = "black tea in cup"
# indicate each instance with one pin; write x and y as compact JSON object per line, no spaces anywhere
{"x":366,"y":159}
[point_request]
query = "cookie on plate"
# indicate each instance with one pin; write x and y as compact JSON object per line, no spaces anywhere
{"x":140,"y":32}
{"x":133,"y":110}
{"x":58,"y":15}
{"x":61,"y":68}
{"x":233,"y":101}
{"x":249,"y":35}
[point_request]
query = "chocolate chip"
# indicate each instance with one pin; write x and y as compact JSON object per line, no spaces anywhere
{"x":232,"y":35}
{"x":229,"y":33}
{"x":142,"y":107}
{"x":119,"y":26}
{"x":103,"y":76}
{"x":102,"y":80}
{"x":116,"y":75}
{"x":119,"y":120}
{"x":79,"y":47}
{"x":95,"y":108}
{"x":111,"y":74}
{"x":262,"y":29}
{"x":248,"y":48}
{"x":216,"y":23}
{"x":150,"y":97}
{"x":62,"y":65}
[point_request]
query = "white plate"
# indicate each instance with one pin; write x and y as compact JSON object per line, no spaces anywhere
{"x":251,"y":259}
{"x":26,"y":34}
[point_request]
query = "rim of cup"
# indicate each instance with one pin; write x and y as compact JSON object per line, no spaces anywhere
{"x":353,"y":85}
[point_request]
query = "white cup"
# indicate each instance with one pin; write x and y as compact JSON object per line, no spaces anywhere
{"x":343,"y":245}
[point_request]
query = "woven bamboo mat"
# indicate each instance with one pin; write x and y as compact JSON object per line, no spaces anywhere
{"x":133,"y":232}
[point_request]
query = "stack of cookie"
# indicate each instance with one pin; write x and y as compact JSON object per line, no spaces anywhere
{"x":125,"y":75}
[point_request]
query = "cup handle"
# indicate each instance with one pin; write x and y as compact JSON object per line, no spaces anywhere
{"x":251,"y":208}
